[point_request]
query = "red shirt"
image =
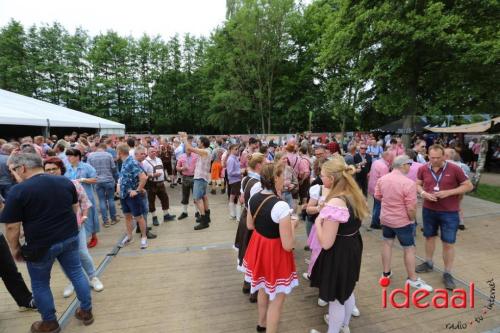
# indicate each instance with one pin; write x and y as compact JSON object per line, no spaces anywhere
{"x":452,"y":178}
{"x":333,"y":147}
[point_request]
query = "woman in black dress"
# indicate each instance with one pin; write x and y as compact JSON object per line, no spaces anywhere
{"x":337,"y":268}
{"x":269,"y":263}
{"x":250,"y":185}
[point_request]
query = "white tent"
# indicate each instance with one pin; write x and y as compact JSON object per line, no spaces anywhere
{"x":20,"y":110}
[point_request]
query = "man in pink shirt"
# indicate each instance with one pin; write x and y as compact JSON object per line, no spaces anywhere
{"x":398,"y":197}
{"x":379,"y":169}
{"x":253,"y":146}
{"x":185,"y":166}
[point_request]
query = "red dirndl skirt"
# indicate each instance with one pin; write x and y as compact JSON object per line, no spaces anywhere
{"x":268,"y":266}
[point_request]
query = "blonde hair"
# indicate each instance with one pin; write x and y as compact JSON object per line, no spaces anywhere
{"x":345,"y":185}
{"x":255,"y":159}
{"x":278,"y":156}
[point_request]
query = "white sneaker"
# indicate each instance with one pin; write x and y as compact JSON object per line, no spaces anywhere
{"x":419,"y":284}
{"x":144,"y":243}
{"x":96,"y":284}
{"x":355,"y":312}
{"x":322,"y":303}
{"x":126,"y":241}
{"x":307,"y":261}
{"x":305,"y":276}
{"x":345,"y":329}
{"x":314,"y":331}
{"x":69,"y":290}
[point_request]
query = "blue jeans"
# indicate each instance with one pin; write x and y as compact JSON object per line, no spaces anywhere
{"x":376,"y":213}
{"x":404,"y":234}
{"x":67,"y":253}
{"x":309,"y":225}
{"x":288,"y":198}
{"x":145,"y":207}
{"x":446,"y":221}
{"x":106,"y":193}
{"x":85,"y":258}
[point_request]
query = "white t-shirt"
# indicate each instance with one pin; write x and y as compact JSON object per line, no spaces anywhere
{"x":314,"y":192}
{"x":153,"y":166}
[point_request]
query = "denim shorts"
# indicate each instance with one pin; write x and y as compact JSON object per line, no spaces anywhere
{"x":134,"y":206}
{"x":404,"y":234}
{"x":447,"y":221}
{"x":199,"y":188}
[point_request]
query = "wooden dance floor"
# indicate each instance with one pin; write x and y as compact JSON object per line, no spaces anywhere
{"x":186,"y":281}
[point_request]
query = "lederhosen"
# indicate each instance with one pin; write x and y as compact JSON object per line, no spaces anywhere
{"x":242,"y":233}
{"x":156,"y":188}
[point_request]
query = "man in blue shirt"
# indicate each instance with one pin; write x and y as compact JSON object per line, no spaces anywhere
{"x":45,"y":205}
{"x":131,"y":188}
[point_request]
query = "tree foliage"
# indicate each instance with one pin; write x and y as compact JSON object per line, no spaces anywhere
{"x":273,"y":66}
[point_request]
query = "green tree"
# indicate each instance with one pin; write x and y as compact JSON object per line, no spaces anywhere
{"x":13,"y":58}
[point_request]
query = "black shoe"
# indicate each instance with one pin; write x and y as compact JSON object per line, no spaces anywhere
{"x":223,"y":191}
{"x":155,"y":221}
{"x":253,"y":297}
{"x":424,"y":268}
{"x":307,"y":248}
{"x":150,"y":235}
{"x":246,"y":288}
{"x":448,"y":281}
{"x":201,"y":226}
{"x":182,"y":216}
{"x":461,"y":227}
{"x":168,"y":217}
{"x":213,"y":192}
{"x":260,"y":329}
{"x":179,"y":181}
{"x":31,"y":306}
{"x":203,"y":223}
{"x":197,"y":215}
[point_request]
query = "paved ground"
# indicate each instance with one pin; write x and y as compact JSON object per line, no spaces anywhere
{"x":186,"y":281}
{"x":490,"y":179}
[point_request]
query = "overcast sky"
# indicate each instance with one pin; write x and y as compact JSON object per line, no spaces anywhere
{"x":127,"y":17}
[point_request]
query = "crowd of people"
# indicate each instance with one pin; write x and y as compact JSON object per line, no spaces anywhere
{"x":59,"y":192}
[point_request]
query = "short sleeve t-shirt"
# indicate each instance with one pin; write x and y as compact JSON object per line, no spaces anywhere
{"x":452,"y":178}
{"x":44,"y":205}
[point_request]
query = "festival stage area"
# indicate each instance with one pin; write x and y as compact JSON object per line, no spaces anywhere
{"x":186,"y":281}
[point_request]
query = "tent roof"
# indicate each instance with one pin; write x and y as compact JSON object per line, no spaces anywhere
{"x":479,"y":127}
{"x":17,"y":109}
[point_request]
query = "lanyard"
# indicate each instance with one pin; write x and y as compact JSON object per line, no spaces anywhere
{"x":436,"y":178}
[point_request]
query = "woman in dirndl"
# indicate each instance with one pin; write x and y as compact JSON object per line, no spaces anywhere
{"x":249,"y":186}
{"x":269,"y":263}
{"x":336,"y":270}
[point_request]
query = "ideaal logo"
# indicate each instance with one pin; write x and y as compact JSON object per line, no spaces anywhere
{"x":488,"y":307}
{"x":440,"y":300}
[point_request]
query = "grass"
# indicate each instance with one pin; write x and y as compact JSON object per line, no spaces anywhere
{"x":487,"y":192}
